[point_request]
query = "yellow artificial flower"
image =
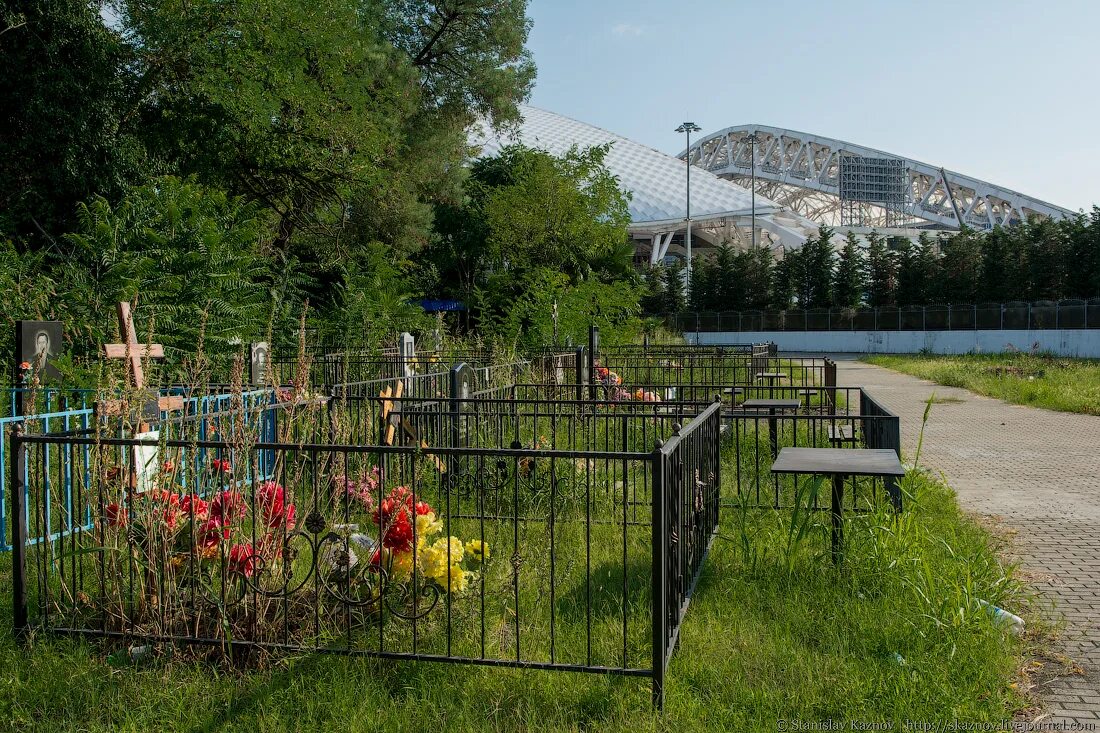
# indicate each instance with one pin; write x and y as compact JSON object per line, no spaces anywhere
{"x":433,"y":561}
{"x":401,"y":565}
{"x":427,"y":526}
{"x":458,"y":579}
{"x":478,"y":549}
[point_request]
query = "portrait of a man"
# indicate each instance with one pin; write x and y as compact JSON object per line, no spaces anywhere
{"x":40,"y":343}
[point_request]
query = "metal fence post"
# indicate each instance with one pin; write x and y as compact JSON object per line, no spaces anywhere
{"x":659,"y":593}
{"x":19,"y":531}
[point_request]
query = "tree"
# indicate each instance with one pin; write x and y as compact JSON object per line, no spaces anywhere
{"x":758,"y":265}
{"x":65,"y":89}
{"x":533,"y":220}
{"x":881,"y":273}
{"x":674,"y":287}
{"x":962,"y":268}
{"x":191,"y":253}
{"x":810,"y":269}
{"x":848,"y":278}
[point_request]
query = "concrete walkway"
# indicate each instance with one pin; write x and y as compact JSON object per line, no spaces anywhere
{"x":1039,"y":471}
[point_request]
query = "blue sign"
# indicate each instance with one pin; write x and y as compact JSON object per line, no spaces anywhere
{"x":433,"y":306}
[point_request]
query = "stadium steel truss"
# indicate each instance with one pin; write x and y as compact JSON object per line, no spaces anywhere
{"x":836,"y":183}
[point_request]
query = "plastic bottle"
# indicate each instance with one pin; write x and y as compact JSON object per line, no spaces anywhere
{"x":1004,"y":618}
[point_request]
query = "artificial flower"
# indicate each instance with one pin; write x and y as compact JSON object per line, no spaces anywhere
{"x":242,"y":560}
{"x":478,"y":550}
{"x":274,"y":509}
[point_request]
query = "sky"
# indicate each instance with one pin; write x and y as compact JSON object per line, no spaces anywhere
{"x":1007,"y":91}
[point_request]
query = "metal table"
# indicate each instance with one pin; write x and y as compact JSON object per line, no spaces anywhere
{"x":840,"y":463}
{"x":771,"y":378}
{"x":772,"y":406}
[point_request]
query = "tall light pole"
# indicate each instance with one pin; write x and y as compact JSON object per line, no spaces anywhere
{"x":752,"y":167}
{"x":687,"y":128}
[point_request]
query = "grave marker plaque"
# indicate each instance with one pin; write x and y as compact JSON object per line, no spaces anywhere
{"x":40,"y":342}
{"x":259,"y":359}
{"x":582,"y":370}
{"x":406,"y":350}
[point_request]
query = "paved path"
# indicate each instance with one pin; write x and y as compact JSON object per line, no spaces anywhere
{"x":1039,"y":471}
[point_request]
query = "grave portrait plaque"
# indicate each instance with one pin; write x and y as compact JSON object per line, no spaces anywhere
{"x":260,"y":358}
{"x":406,"y":350}
{"x":40,"y":343}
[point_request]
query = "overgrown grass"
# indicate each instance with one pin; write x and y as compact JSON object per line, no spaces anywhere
{"x":774,"y":631}
{"x":1056,"y":383}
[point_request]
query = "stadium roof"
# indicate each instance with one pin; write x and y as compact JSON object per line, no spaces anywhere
{"x":655,"y":180}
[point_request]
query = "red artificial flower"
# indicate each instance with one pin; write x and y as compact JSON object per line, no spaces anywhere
{"x":211,"y":533}
{"x":399,"y":534}
{"x":171,"y":511}
{"x":276,"y":512}
{"x":115,"y":514}
{"x":242,"y":560}
{"x":394,"y":518}
{"x":227,"y":506}
{"x":221,"y":465}
{"x":168,"y":466}
{"x":196,"y":508}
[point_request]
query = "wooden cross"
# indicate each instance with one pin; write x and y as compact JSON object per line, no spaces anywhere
{"x":134,"y":351}
{"x":391,"y":416}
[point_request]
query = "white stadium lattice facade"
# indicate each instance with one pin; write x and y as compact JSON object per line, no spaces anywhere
{"x":801,"y":182}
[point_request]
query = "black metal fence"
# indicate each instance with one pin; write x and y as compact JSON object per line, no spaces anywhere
{"x":827,"y":417}
{"x":541,"y":534}
{"x":1066,"y":314}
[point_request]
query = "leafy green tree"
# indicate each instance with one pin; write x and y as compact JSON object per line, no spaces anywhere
{"x":527,"y":214}
{"x":189,"y":253}
{"x":65,"y":89}
{"x":848,"y":278}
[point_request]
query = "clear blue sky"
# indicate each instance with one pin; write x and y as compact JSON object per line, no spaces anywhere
{"x":1005,"y":91}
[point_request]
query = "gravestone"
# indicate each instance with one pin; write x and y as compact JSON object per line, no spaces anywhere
{"x":259,"y":363}
{"x":593,"y":358}
{"x":39,"y":344}
{"x":582,"y":366}
{"x":462,"y":386}
{"x":406,"y":349}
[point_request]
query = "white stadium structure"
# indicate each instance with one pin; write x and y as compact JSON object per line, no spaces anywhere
{"x":801,"y":182}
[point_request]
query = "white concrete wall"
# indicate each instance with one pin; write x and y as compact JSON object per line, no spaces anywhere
{"x":1069,"y":342}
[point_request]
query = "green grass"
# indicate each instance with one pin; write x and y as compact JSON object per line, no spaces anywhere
{"x":1056,"y":383}
{"x":774,"y":631}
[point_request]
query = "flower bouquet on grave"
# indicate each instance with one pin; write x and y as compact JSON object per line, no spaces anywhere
{"x":405,"y":568}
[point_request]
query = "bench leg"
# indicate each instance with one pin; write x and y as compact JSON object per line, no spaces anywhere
{"x":837,"y":510}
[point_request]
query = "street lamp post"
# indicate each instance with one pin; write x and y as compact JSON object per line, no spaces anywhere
{"x":752,"y":168}
{"x":687,"y":128}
